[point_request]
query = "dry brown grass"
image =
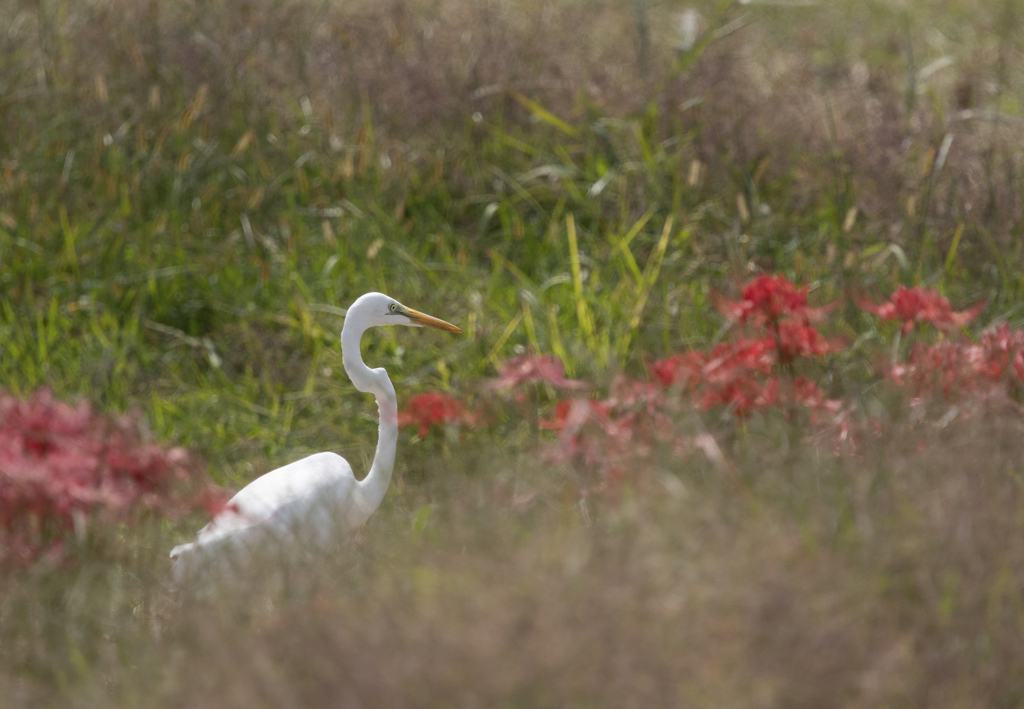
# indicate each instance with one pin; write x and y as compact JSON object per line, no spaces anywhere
{"x":890,"y":578}
{"x":829,"y":100}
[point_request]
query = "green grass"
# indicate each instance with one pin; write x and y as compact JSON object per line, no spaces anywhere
{"x":185,"y":211}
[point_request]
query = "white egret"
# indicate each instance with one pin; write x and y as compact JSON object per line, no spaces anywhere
{"x":309,"y":500}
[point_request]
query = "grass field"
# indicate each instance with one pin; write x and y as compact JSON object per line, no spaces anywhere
{"x":192,"y":192}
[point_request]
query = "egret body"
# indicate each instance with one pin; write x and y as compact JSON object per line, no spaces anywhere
{"x":309,"y":501}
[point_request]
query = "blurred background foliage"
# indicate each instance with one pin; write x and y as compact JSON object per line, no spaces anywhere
{"x":192,"y":192}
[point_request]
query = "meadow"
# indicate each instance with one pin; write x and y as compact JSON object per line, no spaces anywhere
{"x":668,"y":503}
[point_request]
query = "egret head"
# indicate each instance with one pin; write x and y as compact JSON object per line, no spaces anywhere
{"x":379,"y":310}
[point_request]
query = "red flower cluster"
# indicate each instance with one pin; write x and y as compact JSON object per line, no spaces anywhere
{"x":768,"y":299}
{"x":679,"y":370}
{"x":1002,"y":354}
{"x":730,"y":375}
{"x":757,"y":371}
{"x":810,"y":396}
{"x":586,"y":435}
{"x":799,"y":339}
{"x":719,"y":365}
{"x":61,"y":464}
{"x":917,"y":305}
{"x":954,"y":367}
{"x":607,"y":436}
{"x":631,"y":394}
{"x":957,"y":368}
{"x":533,"y":369}
{"x":432,"y":409}
{"x":944,"y":365}
{"x":740,"y":374}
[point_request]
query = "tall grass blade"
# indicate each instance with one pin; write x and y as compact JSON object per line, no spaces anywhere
{"x":623,"y":244}
{"x":492,"y":356}
{"x":998,"y":256}
{"x":531,"y":333}
{"x":647,"y":281}
{"x":543,"y":114}
{"x":951,"y":254}
{"x":582,"y":311}
{"x":556,"y":341}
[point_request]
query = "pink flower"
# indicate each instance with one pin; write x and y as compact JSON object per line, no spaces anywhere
{"x":728,"y":361}
{"x":945,"y":364}
{"x":61,"y":464}
{"x":731,"y":374}
{"x":572,"y":414}
{"x":999,"y":347}
{"x":431,"y":409}
{"x":679,"y":370}
{"x":742,"y":394}
{"x":809,"y":395}
{"x":590,"y":436}
{"x":630,"y":394}
{"x":768,"y":299}
{"x":533,"y":369}
{"x":919,"y":305}
{"x":798,"y":339}
{"x":963,"y":367}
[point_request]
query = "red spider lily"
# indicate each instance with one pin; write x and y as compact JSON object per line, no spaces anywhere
{"x":629,"y":394}
{"x":999,"y":347}
{"x":959,"y":368}
{"x":533,"y":369}
{"x":731,"y":360}
{"x":641,"y":406}
{"x":61,"y":464}
{"x":949,"y":365}
{"x":728,"y":375}
{"x":844,"y":430}
{"x":798,"y":339}
{"x":809,"y":395}
{"x":561,"y":419}
{"x":679,"y":369}
{"x":571,"y":418}
{"x":742,"y":394}
{"x":768,"y":299}
{"x":590,"y":437}
{"x":431,"y":409}
{"x":740,"y":375}
{"x":609,"y":436}
{"x":919,"y":305}
{"x":572,"y":414}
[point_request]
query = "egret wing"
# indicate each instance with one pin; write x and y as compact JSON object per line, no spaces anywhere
{"x":282,"y":496}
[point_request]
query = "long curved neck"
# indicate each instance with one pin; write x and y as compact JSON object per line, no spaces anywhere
{"x":376,"y":382}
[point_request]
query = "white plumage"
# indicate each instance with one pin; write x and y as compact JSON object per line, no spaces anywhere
{"x":305,"y":504}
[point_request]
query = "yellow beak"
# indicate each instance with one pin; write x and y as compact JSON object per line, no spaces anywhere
{"x":430,"y":321}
